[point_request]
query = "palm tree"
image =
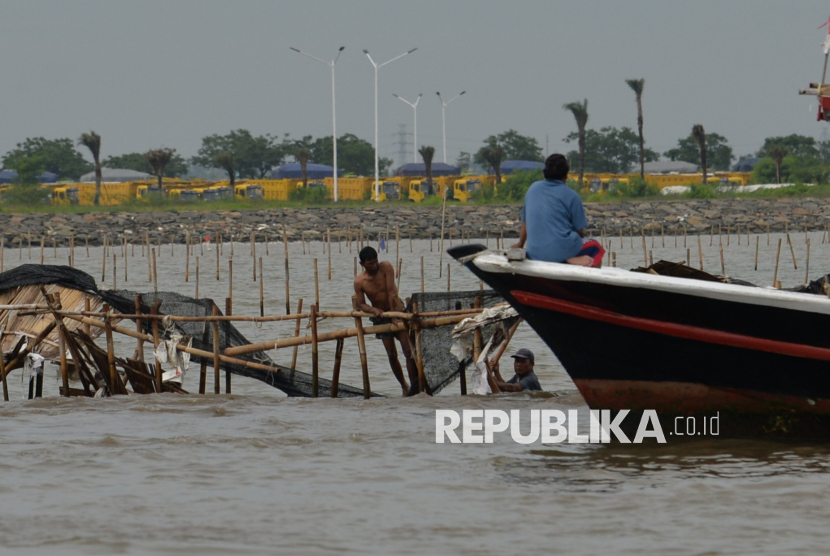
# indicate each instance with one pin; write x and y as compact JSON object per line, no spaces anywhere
{"x":699,"y":135}
{"x":427,"y":153}
{"x":225,"y":161}
{"x":580,"y":112}
{"x":302,"y":154}
{"x":92,"y":141}
{"x":494,"y":154}
{"x":777,"y":154}
{"x":158,"y":160}
{"x":637,"y":86}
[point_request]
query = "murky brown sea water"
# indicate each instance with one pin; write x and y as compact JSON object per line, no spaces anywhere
{"x":258,"y":473}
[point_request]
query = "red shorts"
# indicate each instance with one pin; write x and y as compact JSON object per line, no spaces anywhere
{"x":594,"y":250}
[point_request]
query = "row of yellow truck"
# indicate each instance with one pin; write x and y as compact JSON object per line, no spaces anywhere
{"x":415,"y":189}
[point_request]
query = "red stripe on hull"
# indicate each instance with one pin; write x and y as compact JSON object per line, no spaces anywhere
{"x":672,"y":329}
{"x":687,"y":399}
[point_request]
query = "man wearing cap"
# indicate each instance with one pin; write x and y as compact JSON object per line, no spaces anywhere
{"x":524,"y":379}
{"x":554,"y":222}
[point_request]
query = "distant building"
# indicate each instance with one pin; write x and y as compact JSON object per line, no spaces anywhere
{"x":745,"y":165}
{"x":418,"y":169}
{"x":116,"y":175}
{"x":293,"y":171}
{"x":510,"y":166}
{"x":669,"y":167}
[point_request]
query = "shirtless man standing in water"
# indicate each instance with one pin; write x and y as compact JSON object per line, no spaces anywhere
{"x":377,"y":282}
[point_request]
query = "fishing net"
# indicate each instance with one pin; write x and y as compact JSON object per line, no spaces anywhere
{"x":290,"y":381}
{"x":440,"y":366}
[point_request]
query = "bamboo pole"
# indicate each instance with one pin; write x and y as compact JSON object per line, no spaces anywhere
{"x":155,"y":273}
{"x":114,"y":271}
{"x":757,"y":242}
{"x":64,"y":368}
{"x":216,"y":363}
{"x":287,"y":288}
{"x":230,"y":278}
{"x":645,"y":249}
{"x":343,"y":333}
{"x":228,"y":311}
{"x":139,"y":348}
{"x":316,"y":287}
{"x":216,"y":248}
{"x":261,"y":291}
{"x":197,"y":277}
{"x":3,"y":372}
{"x":253,"y":253}
{"x":361,"y":346}
{"x":792,"y":251}
{"x":422,"y":274}
{"x":449,"y":278}
{"x":777,"y":258}
{"x":155,"y":328}
{"x":111,"y":356}
{"x":297,"y":334}
{"x":126,"y":268}
{"x":335,"y":374}
{"x":699,"y":252}
{"x":104,"y":262}
{"x":187,"y":259}
{"x":419,"y":352}
{"x":328,"y":239}
{"x":441,"y":248}
{"x":315,"y":376}
{"x":807,"y":269}
{"x":722,"y":265}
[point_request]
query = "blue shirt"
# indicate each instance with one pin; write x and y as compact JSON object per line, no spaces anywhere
{"x":529,"y":382}
{"x":553,"y":213}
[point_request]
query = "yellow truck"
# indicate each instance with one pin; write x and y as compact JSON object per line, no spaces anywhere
{"x":66,"y":195}
{"x":390,"y":190}
{"x":419,"y":190}
{"x":465,"y":189}
{"x":249,"y":191}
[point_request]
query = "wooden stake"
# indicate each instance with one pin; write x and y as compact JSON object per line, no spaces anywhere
{"x":155,"y":275}
{"x":253,"y":254}
{"x":197,"y":277}
{"x":807,"y":265}
{"x":422,"y":274}
{"x":154,"y":310}
{"x":792,"y":251}
{"x":228,"y":312}
{"x":297,"y":334}
{"x":114,"y":272}
{"x":722,"y":265}
{"x":287,"y":296}
{"x":338,"y":356}
{"x":688,"y":257}
{"x":699,"y":252}
{"x":216,"y":364}
{"x":315,"y":378}
{"x":757,"y":242}
{"x":449,"y":282}
{"x":261,"y":291}
{"x":361,"y":346}
{"x":230,"y":278}
{"x":443,"y":219}
{"x":139,"y":327}
{"x":104,"y":263}
{"x":187,"y":259}
{"x":777,"y":259}
{"x":64,"y":368}
{"x":3,"y":373}
{"x":645,"y":249}
{"x":328,"y":240}
{"x":316,"y":287}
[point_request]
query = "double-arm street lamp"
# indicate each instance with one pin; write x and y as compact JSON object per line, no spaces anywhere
{"x":333,"y":112}
{"x":444,"y":118}
{"x":377,"y":66}
{"x":414,"y":106}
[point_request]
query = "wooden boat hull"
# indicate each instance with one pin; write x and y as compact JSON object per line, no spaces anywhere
{"x":681,"y":347}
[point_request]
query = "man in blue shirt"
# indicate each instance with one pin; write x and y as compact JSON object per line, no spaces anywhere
{"x":554,"y":222}
{"x":524,"y":379}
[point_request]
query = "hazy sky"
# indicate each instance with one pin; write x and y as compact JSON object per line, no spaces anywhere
{"x":145,"y":74}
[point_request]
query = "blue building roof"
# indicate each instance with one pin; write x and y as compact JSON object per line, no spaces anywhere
{"x":419,"y":169}
{"x":292,"y":171}
{"x":510,"y":166}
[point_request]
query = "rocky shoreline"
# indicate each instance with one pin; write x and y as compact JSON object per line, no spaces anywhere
{"x":695,"y":216}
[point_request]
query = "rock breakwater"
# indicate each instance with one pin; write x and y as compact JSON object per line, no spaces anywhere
{"x":695,"y":216}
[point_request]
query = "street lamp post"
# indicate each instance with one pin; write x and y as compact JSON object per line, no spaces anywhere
{"x":444,"y":118}
{"x":377,"y":66}
{"x":333,"y":112}
{"x":415,"y":111}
